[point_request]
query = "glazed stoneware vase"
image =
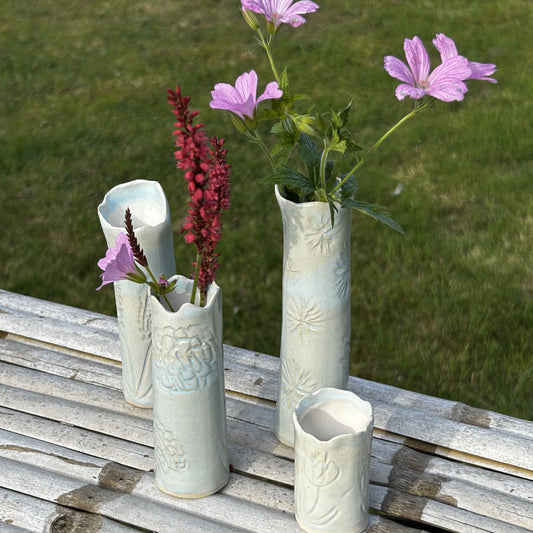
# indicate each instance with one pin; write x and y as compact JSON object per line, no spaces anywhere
{"x":189,"y":395}
{"x":315,"y":335}
{"x":153,"y":228}
{"x":333,"y":442}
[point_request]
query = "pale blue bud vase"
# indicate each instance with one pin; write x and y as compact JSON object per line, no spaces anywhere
{"x":316,"y":303}
{"x":153,"y":228}
{"x":333,"y":443}
{"x":191,"y":459}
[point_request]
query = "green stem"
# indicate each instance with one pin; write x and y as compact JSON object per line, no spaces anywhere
{"x":417,"y":109}
{"x":157,"y":283}
{"x":195,"y":283}
{"x":254,"y":137}
{"x":323,"y":163}
{"x":266,"y":46}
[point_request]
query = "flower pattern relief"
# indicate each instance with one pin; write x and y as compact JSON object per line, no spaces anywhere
{"x":295,"y":383}
{"x":169,"y":453}
{"x":363,"y":484}
{"x":290,"y":269}
{"x":319,"y":234}
{"x":321,"y":472}
{"x":304,"y":318}
{"x":138,"y":381}
{"x":185,"y":359}
{"x":342,"y":272}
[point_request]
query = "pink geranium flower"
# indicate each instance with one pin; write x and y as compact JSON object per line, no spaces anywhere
{"x":281,"y":11}
{"x":445,"y":83}
{"x":447,"y":49}
{"x":118,"y":263}
{"x":242,"y":99}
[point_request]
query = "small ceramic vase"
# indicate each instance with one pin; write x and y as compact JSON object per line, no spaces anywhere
{"x":189,"y":395}
{"x":333,"y":439}
{"x":315,"y":335}
{"x":153,"y":228}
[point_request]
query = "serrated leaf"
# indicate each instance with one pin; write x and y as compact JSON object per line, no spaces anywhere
{"x":344,"y":113}
{"x":349,"y":187}
{"x":287,"y":176}
{"x":284,"y":81}
{"x":377,"y":212}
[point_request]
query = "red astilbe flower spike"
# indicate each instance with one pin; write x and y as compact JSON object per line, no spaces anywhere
{"x":207,"y":175}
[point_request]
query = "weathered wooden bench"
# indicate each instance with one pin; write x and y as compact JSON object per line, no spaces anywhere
{"x":74,"y":456}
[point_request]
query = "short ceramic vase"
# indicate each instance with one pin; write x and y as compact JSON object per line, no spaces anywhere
{"x":315,"y":335}
{"x":153,"y":228}
{"x":189,"y":394}
{"x":333,"y":441}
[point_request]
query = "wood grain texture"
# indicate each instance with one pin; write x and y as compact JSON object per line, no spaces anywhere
{"x":75,"y":454}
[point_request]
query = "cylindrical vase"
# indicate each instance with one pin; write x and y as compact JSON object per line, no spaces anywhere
{"x":333,"y":440}
{"x":189,"y":394}
{"x":315,"y":335}
{"x":153,"y":228}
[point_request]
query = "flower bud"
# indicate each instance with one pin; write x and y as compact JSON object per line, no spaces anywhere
{"x":250,"y":19}
{"x":271,"y":28}
{"x":238,"y":122}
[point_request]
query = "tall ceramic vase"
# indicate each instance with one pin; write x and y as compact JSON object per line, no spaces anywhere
{"x":189,"y":395}
{"x":151,"y":222}
{"x":315,"y":335}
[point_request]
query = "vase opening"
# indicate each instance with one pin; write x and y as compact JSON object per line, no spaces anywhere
{"x":334,"y":418}
{"x":145,"y":199}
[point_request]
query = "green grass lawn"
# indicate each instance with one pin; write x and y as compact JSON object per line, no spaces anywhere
{"x":446,"y":309}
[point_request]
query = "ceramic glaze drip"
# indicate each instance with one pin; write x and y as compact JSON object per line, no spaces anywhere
{"x":332,"y":419}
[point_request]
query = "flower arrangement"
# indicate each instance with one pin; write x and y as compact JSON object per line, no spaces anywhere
{"x":207,"y":175}
{"x":309,"y":145}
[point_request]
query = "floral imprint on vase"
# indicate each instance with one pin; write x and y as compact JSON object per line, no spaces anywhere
{"x":319,"y":234}
{"x":185,"y":359}
{"x":304,"y":318}
{"x":320,"y":471}
{"x":342,"y":272}
{"x":363,"y":484}
{"x":295,"y":383}
{"x":169,"y":453}
{"x":138,"y":380}
{"x":290,"y":269}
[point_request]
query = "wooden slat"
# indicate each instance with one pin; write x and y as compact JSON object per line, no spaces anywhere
{"x":401,"y":475}
{"x":450,"y":410}
{"x":60,"y":393}
{"x":499,"y":450}
{"x":122,"y":507}
{"x":25,"y":513}
{"x":237,"y":498}
{"x":437,"y":514}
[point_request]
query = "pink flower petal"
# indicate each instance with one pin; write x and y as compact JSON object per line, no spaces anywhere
{"x":417,"y":59}
{"x":445,"y":46}
{"x":242,"y":99}
{"x":398,"y":69}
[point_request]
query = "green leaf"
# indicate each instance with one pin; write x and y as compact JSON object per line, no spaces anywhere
{"x":288,"y":177}
{"x":284,"y":81}
{"x":377,"y":212}
{"x":344,"y":114}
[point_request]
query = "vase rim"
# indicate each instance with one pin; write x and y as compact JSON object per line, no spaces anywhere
{"x":331,"y":395}
{"x":116,"y":198}
{"x":184,"y":285}
{"x":305,"y":205}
